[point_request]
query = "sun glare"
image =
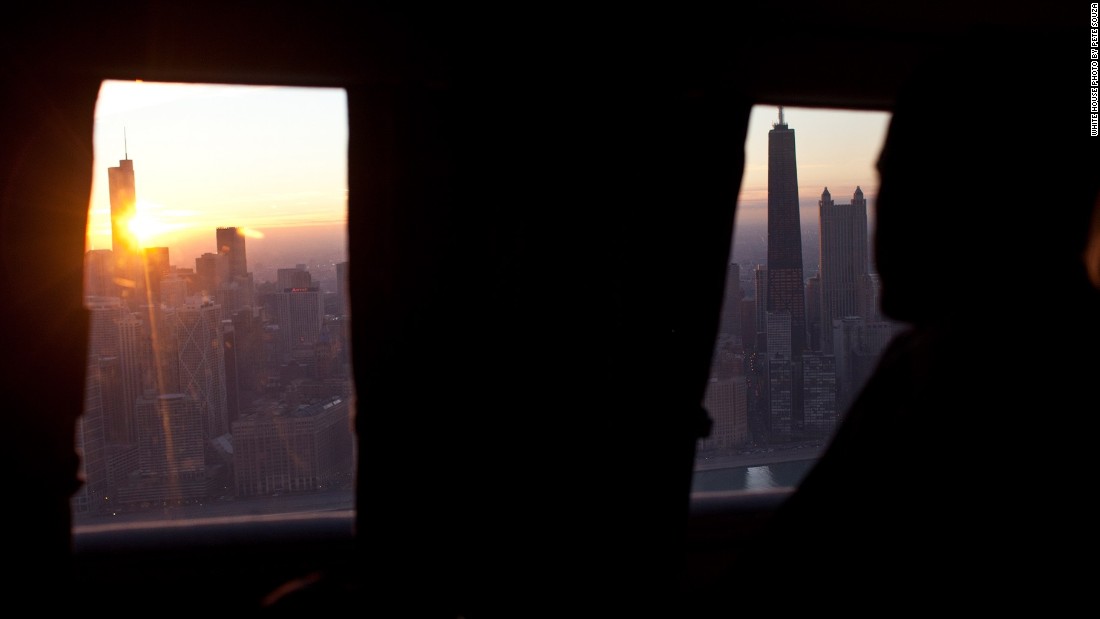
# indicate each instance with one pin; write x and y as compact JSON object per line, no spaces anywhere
{"x":148,"y":228}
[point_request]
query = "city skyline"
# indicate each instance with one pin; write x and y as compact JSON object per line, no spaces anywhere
{"x":182,"y":362}
{"x":269,"y":160}
{"x":800,"y":330}
{"x":836,"y":149}
{"x":273,"y":161}
{"x":282,"y":350}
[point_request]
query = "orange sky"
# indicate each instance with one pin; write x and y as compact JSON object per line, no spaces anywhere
{"x":205,"y":156}
{"x":275,"y":158}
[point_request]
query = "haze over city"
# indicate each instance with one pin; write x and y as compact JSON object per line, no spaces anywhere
{"x":273,"y":160}
{"x":266,"y":168}
{"x":270,"y":160}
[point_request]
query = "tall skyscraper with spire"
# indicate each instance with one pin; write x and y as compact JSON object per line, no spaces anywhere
{"x":786,"y":286}
{"x":126,"y":250}
{"x":785,"y":304}
{"x":120,"y":180}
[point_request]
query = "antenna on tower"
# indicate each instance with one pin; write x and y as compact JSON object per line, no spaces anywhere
{"x":126,"y":149}
{"x":781,"y":115}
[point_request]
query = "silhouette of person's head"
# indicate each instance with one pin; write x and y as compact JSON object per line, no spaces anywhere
{"x":988,"y":176}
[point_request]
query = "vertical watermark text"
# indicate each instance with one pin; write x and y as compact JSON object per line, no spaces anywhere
{"x":1094,"y":76}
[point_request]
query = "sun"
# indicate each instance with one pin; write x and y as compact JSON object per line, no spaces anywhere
{"x":145,"y":226}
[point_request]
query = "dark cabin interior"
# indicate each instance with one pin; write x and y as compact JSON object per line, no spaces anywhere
{"x":541,"y":201}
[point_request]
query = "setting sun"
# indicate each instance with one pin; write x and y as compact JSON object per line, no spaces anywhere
{"x":150,"y":226}
{"x":206,"y":156}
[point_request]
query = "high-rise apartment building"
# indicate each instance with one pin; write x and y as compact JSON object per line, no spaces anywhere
{"x":820,"y":394}
{"x":171,"y":453}
{"x":304,"y":449}
{"x":300,"y":313}
{"x":170,"y":438}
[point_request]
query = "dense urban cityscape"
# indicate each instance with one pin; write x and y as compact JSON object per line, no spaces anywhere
{"x":205,"y":385}
{"x":792,"y":352}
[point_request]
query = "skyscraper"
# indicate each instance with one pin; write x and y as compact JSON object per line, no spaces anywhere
{"x":298,"y":450}
{"x":231,"y":244}
{"x":201,"y":362}
{"x":120,"y":180}
{"x":786,"y":288}
{"x":170,"y":453}
{"x":234,"y":287}
{"x":844,"y":260}
{"x":211,"y":272}
{"x":124,"y":244}
{"x":300,"y":313}
{"x":819,"y":399}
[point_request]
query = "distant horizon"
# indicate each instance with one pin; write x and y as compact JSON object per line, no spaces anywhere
{"x":835,"y":149}
{"x":280,"y":247}
{"x":272,"y":160}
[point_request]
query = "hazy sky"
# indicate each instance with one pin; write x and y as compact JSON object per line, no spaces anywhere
{"x":274,"y":160}
{"x":270,"y":159}
{"x":833,"y":148}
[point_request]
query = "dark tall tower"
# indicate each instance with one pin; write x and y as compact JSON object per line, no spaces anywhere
{"x":234,"y":286}
{"x":231,"y":243}
{"x":844,"y":261}
{"x":786,"y":287}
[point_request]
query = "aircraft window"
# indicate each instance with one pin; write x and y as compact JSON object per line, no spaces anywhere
{"x":218,"y":382}
{"x":800,"y":328}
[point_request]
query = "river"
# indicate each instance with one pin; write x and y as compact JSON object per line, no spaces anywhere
{"x":758,"y":470}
